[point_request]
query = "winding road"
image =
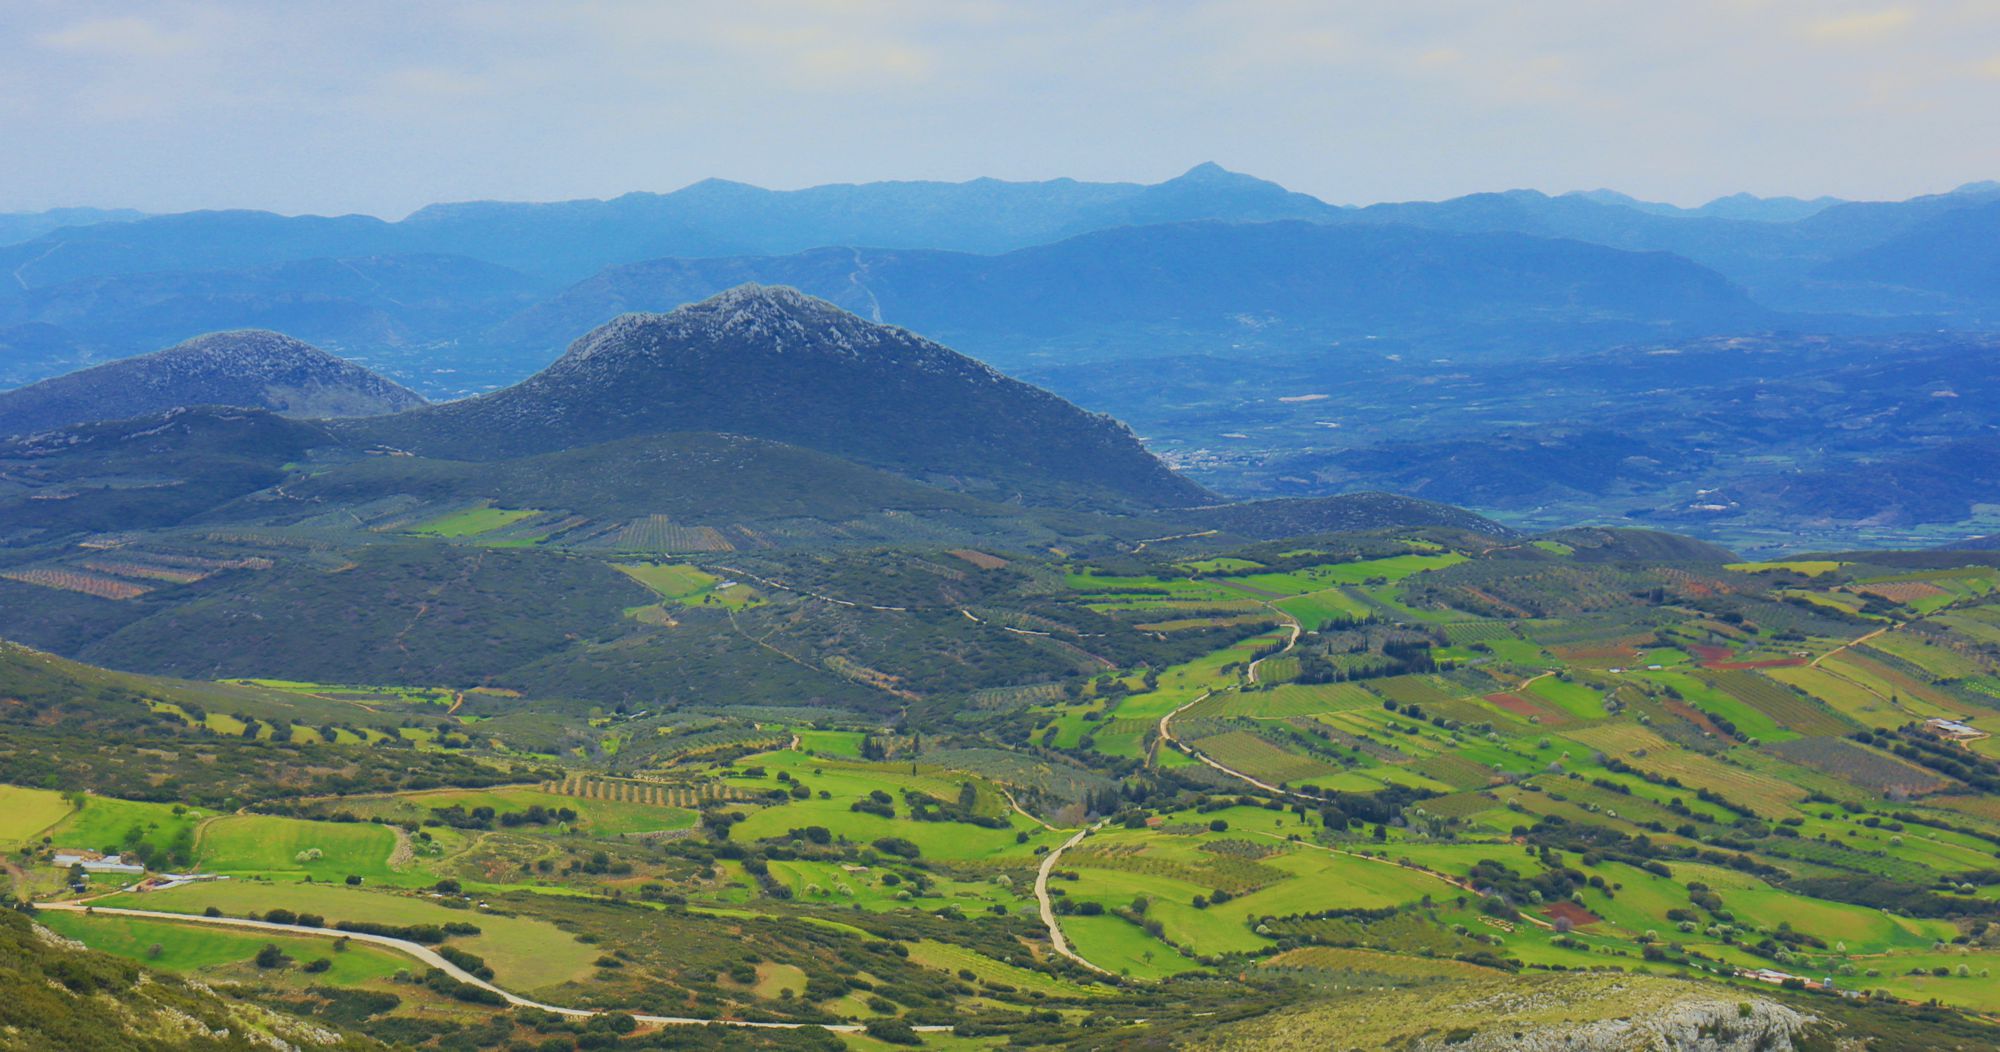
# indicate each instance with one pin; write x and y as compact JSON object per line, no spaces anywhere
{"x":1056,"y":937}
{"x":430,"y":957}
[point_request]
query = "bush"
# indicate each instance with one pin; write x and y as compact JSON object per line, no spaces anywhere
{"x":895,"y":845}
{"x":892,"y":1032}
{"x":271,"y":957}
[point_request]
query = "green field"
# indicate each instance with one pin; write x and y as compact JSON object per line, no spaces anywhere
{"x":263,"y":844}
{"x":525,"y":954}
{"x":115,"y":826}
{"x":471,"y":522}
{"x":207,"y":948}
{"x":25,"y":813}
{"x":597,"y":817}
{"x":686,"y":585}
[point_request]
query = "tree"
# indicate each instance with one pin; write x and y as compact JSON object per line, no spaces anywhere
{"x":271,"y":957}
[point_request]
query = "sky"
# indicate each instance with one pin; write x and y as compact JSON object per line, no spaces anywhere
{"x":381,"y":107}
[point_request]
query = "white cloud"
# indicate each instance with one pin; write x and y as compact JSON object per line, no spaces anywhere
{"x":1865,"y":28}
{"x":381,"y":105}
{"x":124,"y":37}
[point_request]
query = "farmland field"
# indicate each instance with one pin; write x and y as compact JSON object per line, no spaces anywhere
{"x":197,"y":948}
{"x":1260,"y":759}
{"x":471,"y":522}
{"x":1785,"y":707}
{"x":527,"y":953}
{"x":1471,"y":794}
{"x":1291,"y":699}
{"x":24,"y":813}
{"x":244,"y":844}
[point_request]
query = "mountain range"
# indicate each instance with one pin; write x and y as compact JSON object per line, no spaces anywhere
{"x":431,"y":298}
{"x":1155,"y":290}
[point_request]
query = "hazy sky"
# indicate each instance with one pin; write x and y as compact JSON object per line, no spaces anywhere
{"x":377,"y":106}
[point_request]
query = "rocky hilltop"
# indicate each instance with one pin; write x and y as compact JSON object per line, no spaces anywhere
{"x":252,"y":369}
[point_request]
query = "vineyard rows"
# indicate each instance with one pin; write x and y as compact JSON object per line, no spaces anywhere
{"x":587,"y":787}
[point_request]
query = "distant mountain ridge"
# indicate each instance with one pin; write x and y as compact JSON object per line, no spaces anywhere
{"x":1193,"y":283}
{"x":566,"y":240}
{"x":775,"y":364}
{"x":249,"y":369}
{"x":422,"y":297}
{"x":16,"y":227}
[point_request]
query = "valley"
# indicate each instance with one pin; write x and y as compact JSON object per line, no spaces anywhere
{"x":757,"y":675}
{"x":1476,"y":759}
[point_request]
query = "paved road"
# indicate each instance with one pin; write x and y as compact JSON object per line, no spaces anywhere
{"x":430,"y":957}
{"x":1048,"y":908}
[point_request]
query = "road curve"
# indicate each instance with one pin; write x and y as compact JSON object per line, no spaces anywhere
{"x":430,"y":957}
{"x":1167,"y":735}
{"x":1296,"y":628}
{"x":1056,"y":938}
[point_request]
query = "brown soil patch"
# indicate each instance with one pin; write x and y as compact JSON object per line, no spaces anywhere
{"x":1521,"y":706}
{"x":1739,"y":666}
{"x":1693,"y":715}
{"x":1902,"y":592}
{"x":1570,"y":911}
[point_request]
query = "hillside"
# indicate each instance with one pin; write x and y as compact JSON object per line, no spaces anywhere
{"x":696,"y":478}
{"x":1150,"y":289}
{"x":775,"y":364}
{"x":1297,"y":517}
{"x":152,"y":471}
{"x":249,"y":369}
{"x":56,"y":994}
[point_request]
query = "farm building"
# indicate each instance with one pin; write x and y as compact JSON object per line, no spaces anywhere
{"x":1953,"y":730}
{"x":95,"y":863}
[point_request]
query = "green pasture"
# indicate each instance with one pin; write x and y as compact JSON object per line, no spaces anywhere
{"x":1975,"y":991}
{"x":844,"y":744}
{"x":25,"y":813}
{"x":949,"y":958}
{"x":846,"y":781}
{"x":266,"y":844}
{"x":1224,"y":564}
{"x":471,"y":522}
{"x":1390,"y":570}
{"x":594,"y":817}
{"x":191,"y":947}
{"x":1123,"y":948}
{"x":1808,"y":567}
{"x":525,"y":954}
{"x":1577,"y":699}
{"x":108,"y":824}
{"x":690,"y":586}
{"x":1316,"y":608}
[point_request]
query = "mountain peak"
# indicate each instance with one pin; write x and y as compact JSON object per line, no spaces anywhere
{"x":250,"y":368}
{"x":1211,"y":173}
{"x":773,"y":318}
{"x":770,"y":362}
